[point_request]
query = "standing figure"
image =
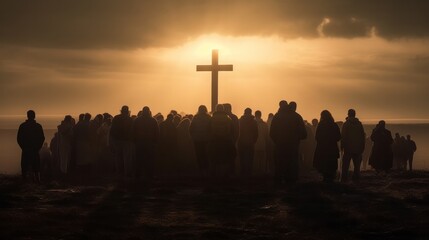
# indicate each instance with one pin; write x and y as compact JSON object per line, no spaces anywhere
{"x":366,"y":153}
{"x":185,"y":149}
{"x":146,"y":135}
{"x":222,"y":149}
{"x":261,"y":148}
{"x":247,"y":138}
{"x":412,"y":148}
{"x":381,"y":158}
{"x":30,"y":138}
{"x":353,"y":145}
{"x":327,"y":153}
{"x":287,"y":130}
{"x":65,"y":134}
{"x":200,"y":133}
{"x":270,"y":147}
{"x":236,"y":128}
{"x":168,"y":148}
{"x":121,"y":139}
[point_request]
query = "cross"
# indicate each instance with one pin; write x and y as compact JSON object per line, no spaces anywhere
{"x":214,"y":68}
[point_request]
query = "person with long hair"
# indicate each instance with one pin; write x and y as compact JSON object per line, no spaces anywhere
{"x":327,"y":153}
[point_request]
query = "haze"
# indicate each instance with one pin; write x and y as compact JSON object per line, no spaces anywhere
{"x":68,"y":57}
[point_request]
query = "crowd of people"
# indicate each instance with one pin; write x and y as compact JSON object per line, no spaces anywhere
{"x":210,"y":145}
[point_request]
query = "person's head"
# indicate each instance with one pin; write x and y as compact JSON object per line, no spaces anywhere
{"x":227,"y":107}
{"x":68,"y":119}
{"x":283,"y":104}
{"x":247,"y":111}
{"x":87,"y":117}
{"x":146,"y":111}
{"x":176,"y":119}
{"x":174,"y":112}
{"x":125,"y":110}
{"x":202,"y":109}
{"x":292,"y":106}
{"x":270,"y":116}
{"x":382,"y":124}
{"x":315,"y":122}
{"x":408,"y":137}
{"x":326,"y":116}
{"x":99,"y":118}
{"x":170,"y":117}
{"x":258,"y":114}
{"x":31,"y":115}
{"x":220,"y":108}
{"x":159,"y":118}
{"x":81,"y":116}
{"x":351,"y":113}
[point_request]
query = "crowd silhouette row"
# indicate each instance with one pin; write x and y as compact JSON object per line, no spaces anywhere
{"x":216,"y":145}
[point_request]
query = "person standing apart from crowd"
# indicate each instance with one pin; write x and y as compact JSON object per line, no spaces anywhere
{"x":381,"y":158}
{"x":30,"y":138}
{"x":353,"y":145}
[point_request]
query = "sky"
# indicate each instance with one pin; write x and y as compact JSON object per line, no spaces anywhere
{"x":67,"y":57}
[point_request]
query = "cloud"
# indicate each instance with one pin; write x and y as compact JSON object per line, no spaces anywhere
{"x":128,"y":24}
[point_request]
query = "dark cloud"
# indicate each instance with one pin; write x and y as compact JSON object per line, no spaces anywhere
{"x":139,"y":24}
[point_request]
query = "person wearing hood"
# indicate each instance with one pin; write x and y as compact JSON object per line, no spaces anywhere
{"x":381,"y":158}
{"x":352,"y":144}
{"x":327,"y":153}
{"x":248,"y":135}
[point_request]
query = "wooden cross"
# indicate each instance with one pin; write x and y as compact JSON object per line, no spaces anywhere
{"x":214,"y":68}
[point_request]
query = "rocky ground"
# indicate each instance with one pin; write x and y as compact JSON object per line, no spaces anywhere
{"x":395,"y":206}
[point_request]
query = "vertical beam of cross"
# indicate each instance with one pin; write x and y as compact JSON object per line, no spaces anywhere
{"x":215,"y":68}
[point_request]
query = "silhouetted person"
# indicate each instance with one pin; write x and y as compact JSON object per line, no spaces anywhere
{"x":107,"y":159}
{"x":46,"y":166}
{"x":270,"y":146}
{"x":74,"y":142}
{"x":65,"y":134}
{"x":411,"y":149}
{"x":353,"y":145}
{"x":121,"y":139}
{"x":168,"y":141}
{"x":287,"y":130}
{"x":186,"y":158}
{"x":381,"y":156}
{"x":236,"y":128}
{"x":222,"y":149}
{"x":261,"y":148}
{"x":200,"y":133}
{"x":30,"y":138}
{"x":247,"y":138}
{"x":366,"y":153}
{"x":307,"y":147}
{"x":53,"y":146}
{"x":177,"y":119}
{"x":400,"y":152}
{"x":327,"y":153}
{"x":314,"y":124}
{"x":82,"y":138}
{"x":146,"y":136}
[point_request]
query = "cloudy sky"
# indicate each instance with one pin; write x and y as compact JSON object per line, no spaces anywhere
{"x":67,"y":57}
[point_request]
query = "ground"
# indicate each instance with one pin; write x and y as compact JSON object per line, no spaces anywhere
{"x":378,"y":207}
